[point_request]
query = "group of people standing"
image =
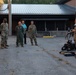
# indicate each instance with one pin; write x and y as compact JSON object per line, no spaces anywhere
{"x":20,"y":33}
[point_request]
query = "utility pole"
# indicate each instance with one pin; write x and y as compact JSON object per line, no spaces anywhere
{"x":75,"y":15}
{"x":10,"y":17}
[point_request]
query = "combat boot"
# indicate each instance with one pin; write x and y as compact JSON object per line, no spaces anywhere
{"x":32,"y":44}
{"x":17,"y":45}
{"x":36,"y":44}
{"x":2,"y":47}
{"x":22,"y":45}
{"x":5,"y":46}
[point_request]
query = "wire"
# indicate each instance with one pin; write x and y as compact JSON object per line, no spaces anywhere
{"x":4,"y":9}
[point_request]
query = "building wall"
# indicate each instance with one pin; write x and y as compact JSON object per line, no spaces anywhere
{"x":72,"y":3}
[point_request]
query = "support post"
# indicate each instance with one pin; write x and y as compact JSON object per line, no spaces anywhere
{"x":10,"y":17}
{"x":45,"y":26}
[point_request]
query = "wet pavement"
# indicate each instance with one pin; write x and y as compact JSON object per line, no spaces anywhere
{"x":43,"y":59}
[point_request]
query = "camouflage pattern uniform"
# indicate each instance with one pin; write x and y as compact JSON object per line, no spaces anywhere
{"x":74,"y":35}
{"x":32,"y":33}
{"x":19,"y":34}
{"x":4,"y":34}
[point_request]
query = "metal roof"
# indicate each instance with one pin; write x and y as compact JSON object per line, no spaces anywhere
{"x":62,"y":1}
{"x":38,"y":9}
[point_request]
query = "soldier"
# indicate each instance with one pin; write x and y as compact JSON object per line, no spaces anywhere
{"x":25,"y":27}
{"x":32,"y":33}
{"x":4,"y":33}
{"x":74,"y":31}
{"x":19,"y":34}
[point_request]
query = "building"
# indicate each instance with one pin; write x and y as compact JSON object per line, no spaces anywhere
{"x":71,"y":3}
{"x":62,"y":1}
{"x":47,"y":17}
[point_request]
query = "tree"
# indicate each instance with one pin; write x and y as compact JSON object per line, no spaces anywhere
{"x":31,"y":1}
{"x":1,"y":2}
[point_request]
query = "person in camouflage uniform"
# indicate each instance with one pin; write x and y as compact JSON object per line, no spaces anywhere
{"x":74,"y":31}
{"x":32,"y":31}
{"x":4,"y":33}
{"x":19,"y":33}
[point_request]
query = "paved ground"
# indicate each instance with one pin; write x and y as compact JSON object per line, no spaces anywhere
{"x":43,"y":59}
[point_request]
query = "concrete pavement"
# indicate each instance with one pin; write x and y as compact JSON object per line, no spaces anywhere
{"x":43,"y":59}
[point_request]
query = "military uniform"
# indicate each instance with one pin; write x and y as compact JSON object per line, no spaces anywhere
{"x":32,"y":33}
{"x":19,"y":34}
{"x":4,"y":34}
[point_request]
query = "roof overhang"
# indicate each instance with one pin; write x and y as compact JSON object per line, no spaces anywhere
{"x":62,"y":1}
{"x":52,"y":19}
{"x":38,"y":9}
